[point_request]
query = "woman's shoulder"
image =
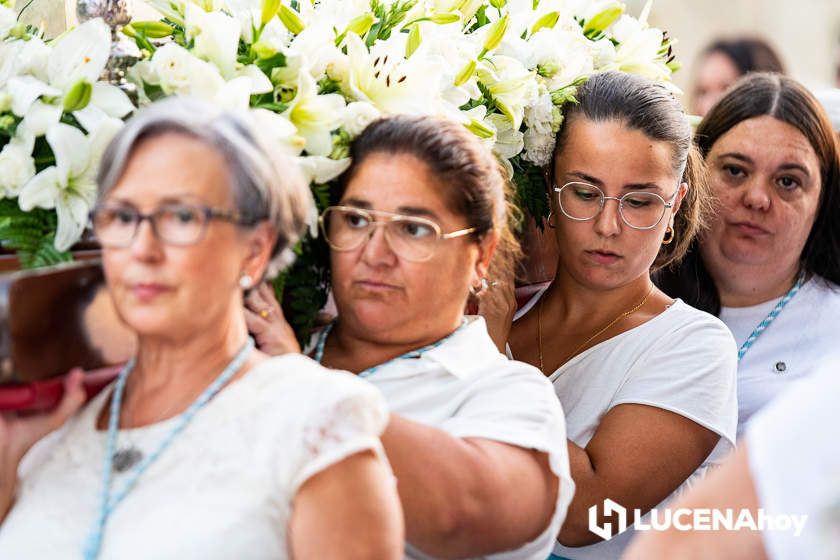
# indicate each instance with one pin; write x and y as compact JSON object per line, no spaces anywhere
{"x":681,"y":322}
{"x":298,"y":382}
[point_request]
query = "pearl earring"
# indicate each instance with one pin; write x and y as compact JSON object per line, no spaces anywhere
{"x":245,"y":282}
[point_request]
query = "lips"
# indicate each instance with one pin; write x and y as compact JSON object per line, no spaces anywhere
{"x":376,"y":285}
{"x":750,"y":229}
{"x":603,"y":256}
{"x":147,"y":291}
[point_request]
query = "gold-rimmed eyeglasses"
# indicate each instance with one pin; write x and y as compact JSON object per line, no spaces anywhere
{"x":410,"y":237}
{"x":639,"y":210}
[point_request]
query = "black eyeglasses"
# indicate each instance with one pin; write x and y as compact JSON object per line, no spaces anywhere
{"x":116,"y":225}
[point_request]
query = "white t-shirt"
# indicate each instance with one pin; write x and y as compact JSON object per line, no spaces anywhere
{"x":223,"y":489}
{"x":799,"y":339}
{"x":683,"y":360}
{"x":794,"y":456}
{"x":467,"y":388}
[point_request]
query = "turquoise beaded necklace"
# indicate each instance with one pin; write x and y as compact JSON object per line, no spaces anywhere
{"x":108,"y":502}
{"x":767,"y":321}
{"x":412,"y":354}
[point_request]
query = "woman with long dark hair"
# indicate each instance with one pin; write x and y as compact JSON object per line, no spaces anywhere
{"x":769,"y":266}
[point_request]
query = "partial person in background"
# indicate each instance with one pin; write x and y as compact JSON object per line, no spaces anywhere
{"x":769,"y":266}
{"x":830,"y":100}
{"x":723,"y":62}
{"x":788,"y":465}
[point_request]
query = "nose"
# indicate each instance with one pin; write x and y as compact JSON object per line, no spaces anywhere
{"x":608,"y":220}
{"x":377,"y":250}
{"x":146,"y":245}
{"x":756,"y":194}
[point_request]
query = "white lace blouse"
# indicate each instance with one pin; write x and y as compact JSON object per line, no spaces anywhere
{"x":224,"y":487}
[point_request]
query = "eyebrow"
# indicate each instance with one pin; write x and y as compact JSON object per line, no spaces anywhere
{"x":598,"y":183}
{"x":171,"y":199}
{"x":782,"y":167}
{"x":407,"y":210}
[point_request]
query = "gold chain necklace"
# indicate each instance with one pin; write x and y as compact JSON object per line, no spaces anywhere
{"x":623,"y":315}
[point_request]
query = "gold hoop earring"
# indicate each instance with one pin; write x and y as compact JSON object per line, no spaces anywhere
{"x":669,"y":236}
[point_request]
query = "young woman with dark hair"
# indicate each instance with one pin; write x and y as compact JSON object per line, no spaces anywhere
{"x":647,"y":382}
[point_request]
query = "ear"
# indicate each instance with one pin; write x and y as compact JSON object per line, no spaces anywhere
{"x":683,"y":190}
{"x":259,"y":242}
{"x":486,"y":249}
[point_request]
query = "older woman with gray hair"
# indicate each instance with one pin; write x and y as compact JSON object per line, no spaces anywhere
{"x":203,"y":447}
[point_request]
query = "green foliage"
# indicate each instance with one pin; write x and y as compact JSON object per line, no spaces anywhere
{"x":388,"y":18}
{"x":304,"y":286}
{"x":30,"y":235}
{"x":531,"y":193}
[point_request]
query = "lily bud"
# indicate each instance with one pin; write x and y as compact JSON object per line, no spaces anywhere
{"x":361,"y":24}
{"x":443,"y":19}
{"x":498,"y":4}
{"x":495,"y":34}
{"x":263,"y":50}
{"x":78,"y":97}
{"x":414,"y":40}
{"x":480,"y":129}
{"x":269,"y":10}
{"x":290,"y":19}
{"x":600,"y":21}
{"x":151,"y":29}
{"x":5,"y":102}
{"x":466,"y":73}
{"x":548,"y":20}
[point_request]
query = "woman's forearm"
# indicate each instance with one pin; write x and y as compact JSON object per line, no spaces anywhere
{"x":463,"y":498}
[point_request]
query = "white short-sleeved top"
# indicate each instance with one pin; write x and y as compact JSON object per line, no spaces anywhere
{"x":794,"y":457}
{"x":793,"y":346}
{"x":224,"y":487}
{"x":683,"y":360}
{"x":467,"y":388}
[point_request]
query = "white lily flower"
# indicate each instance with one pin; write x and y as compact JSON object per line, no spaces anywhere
{"x":277,"y":132}
{"x":78,"y":56}
{"x":17,"y":163}
{"x":316,"y":46}
{"x":70,"y":185}
{"x":638,"y":50}
{"x":389,"y":82}
{"x":315,"y":116}
{"x":216,"y":38}
{"x":8,"y":19}
{"x":512,"y":86}
{"x":321,"y":169}
{"x":509,"y":141}
{"x":170,"y":9}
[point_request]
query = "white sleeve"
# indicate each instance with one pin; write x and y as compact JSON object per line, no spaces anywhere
{"x":517,"y":405}
{"x":344,"y":417}
{"x":794,"y":457}
{"x":693,"y":373}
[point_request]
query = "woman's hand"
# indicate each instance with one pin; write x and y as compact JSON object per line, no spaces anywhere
{"x":265,"y":320}
{"x":18,"y":433}
{"x":497,"y":305}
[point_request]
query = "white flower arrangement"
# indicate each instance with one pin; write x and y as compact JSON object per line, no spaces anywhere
{"x":314,"y":73}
